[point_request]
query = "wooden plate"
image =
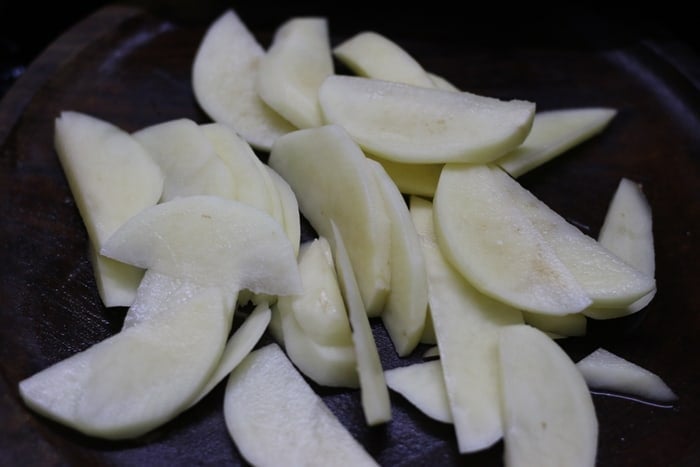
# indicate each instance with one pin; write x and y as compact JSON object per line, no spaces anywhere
{"x":133,"y":68}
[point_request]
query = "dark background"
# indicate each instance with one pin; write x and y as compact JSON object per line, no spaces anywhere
{"x":27,"y":27}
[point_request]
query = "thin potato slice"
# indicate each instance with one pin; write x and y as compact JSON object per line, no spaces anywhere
{"x":372,"y":55}
{"x":275,"y":418}
{"x":293,"y":69}
{"x":376,"y":404}
{"x":549,"y":416}
{"x":406,"y":123}
{"x":423,"y":385}
{"x":467,"y":325}
{"x":224,"y":77}
{"x":495,"y":245}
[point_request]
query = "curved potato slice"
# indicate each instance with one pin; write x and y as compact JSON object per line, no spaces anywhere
{"x":275,"y":418}
{"x":224,"y":76}
{"x":210,"y":241}
{"x":406,"y":123}
{"x":293,"y":69}
{"x":423,"y":385}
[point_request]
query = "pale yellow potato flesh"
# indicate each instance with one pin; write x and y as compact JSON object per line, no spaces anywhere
{"x":210,"y":240}
{"x":326,"y":364}
{"x":406,"y":306}
{"x":374,"y":394}
{"x":496,"y":247}
{"x":112,"y":177}
{"x":290,"y":218}
{"x":373,"y":55}
{"x":332,"y":181}
{"x":603,"y":370}
{"x":606,"y":278}
{"x":627,"y":231}
{"x":554,"y":132}
{"x":467,"y":325}
{"x":187,"y":159}
{"x":319,"y":309}
{"x":571,"y":325}
{"x":549,"y":416}
{"x":275,"y":418}
{"x":423,"y":385}
{"x":224,"y":77}
{"x":414,"y":124}
{"x":293,"y":68}
{"x":412,"y":179}
{"x":122,"y":387}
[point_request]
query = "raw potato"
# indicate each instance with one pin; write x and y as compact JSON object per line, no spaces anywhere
{"x":293,"y":69}
{"x":627,"y":232}
{"x":423,"y":385}
{"x":275,"y":418}
{"x":604,"y":370}
{"x":406,"y":123}
{"x":332,"y":181}
{"x":413,"y":179}
{"x":239,"y":345}
{"x":549,"y":416}
{"x":112,"y":177}
{"x":376,"y":404}
{"x":606,"y":278}
{"x":123,"y":386}
{"x":467,"y":325}
{"x":224,"y":81}
{"x":187,"y":159}
{"x":210,"y":241}
{"x":291,"y":221}
{"x":372,"y":55}
{"x":495,"y":245}
{"x":406,"y":306}
{"x":571,"y":325}
{"x":319,"y":309}
{"x":553,"y":133}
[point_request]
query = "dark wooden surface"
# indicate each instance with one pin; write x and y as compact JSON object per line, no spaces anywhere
{"x":133,"y":69}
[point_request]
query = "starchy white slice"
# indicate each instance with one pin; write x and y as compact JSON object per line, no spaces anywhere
{"x":412,"y":179}
{"x":605,"y":277}
{"x":210,"y":240}
{"x":224,"y":77}
{"x":406,"y":306}
{"x":549,"y":416}
{"x":275,"y":418}
{"x":187,"y":159}
{"x":292,"y":70}
{"x":441,"y":82}
{"x":331,"y":179}
{"x":627,"y":231}
{"x":467,"y":325}
{"x":111,"y":177}
{"x":603,"y":370}
{"x":141,"y":377}
{"x":290,"y":208}
{"x":376,"y":404}
{"x":423,"y":385}
{"x":571,"y":325}
{"x":554,"y":132}
{"x":373,"y":55}
{"x":406,"y":123}
{"x":496,"y":247}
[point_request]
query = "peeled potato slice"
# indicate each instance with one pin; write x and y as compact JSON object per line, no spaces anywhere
{"x":373,"y":55}
{"x":332,"y":181}
{"x":553,"y":133}
{"x":376,"y":404}
{"x":224,"y":77}
{"x":139,"y":378}
{"x":467,"y":325}
{"x":210,"y":241}
{"x":293,"y":69}
{"x":406,"y":306}
{"x":102,"y":163}
{"x":406,"y":123}
{"x":604,"y":370}
{"x":627,"y":232}
{"x":423,"y":385}
{"x":495,"y":245}
{"x":571,"y":325}
{"x":275,"y":418}
{"x":549,"y":416}
{"x":605,"y":277}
